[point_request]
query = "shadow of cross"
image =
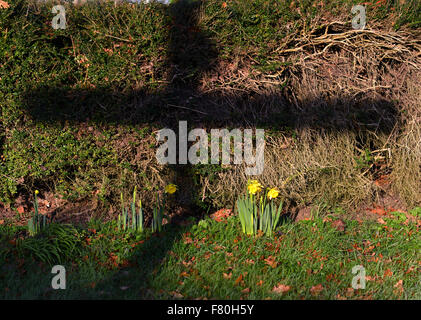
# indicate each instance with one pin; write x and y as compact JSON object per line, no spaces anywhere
{"x":191,"y":54}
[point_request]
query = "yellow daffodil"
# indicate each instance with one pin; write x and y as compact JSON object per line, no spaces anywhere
{"x":252,"y":182}
{"x":273,"y":193}
{"x":36,"y":191}
{"x":171,"y":188}
{"x":254,"y":186}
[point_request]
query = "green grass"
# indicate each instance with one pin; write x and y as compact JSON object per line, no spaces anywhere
{"x":215,"y":260}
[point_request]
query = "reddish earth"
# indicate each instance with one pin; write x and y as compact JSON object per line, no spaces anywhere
{"x":60,"y":210}
{"x":384,"y":205}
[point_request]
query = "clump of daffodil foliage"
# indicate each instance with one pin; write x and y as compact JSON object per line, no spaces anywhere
{"x":158,"y":210}
{"x":135,"y":221}
{"x":258,"y":210}
{"x":37,"y":222}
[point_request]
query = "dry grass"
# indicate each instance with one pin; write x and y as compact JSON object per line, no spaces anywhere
{"x":347,"y":91}
{"x":335,"y":73}
{"x":316,"y":167}
{"x":406,"y":149}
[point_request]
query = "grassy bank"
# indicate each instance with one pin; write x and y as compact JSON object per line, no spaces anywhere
{"x":312,"y":259}
{"x":81,"y":106}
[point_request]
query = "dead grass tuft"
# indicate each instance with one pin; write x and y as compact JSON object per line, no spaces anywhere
{"x":347,"y":91}
{"x":406,"y":149}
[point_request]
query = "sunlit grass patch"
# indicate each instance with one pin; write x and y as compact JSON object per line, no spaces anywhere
{"x":311,"y":259}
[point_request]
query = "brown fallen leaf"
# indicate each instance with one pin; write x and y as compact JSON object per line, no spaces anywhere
{"x":399,"y":284}
{"x":379,"y":211}
{"x":349,"y":292}
{"x":176,"y":294}
{"x":281,"y":289}
{"x":387,"y":273}
{"x":246,"y":290}
{"x":227,"y":275}
{"x":207,"y":255}
{"x":238,"y":279}
{"x":381,"y":221}
{"x":382,"y":181}
{"x":186,"y":263}
{"x":221,"y":214}
{"x":259,"y":234}
{"x":4,"y":4}
{"x":339,"y":225}
{"x":407,"y":271}
{"x":315,"y":290}
{"x":188,"y":240}
{"x":369,"y":278}
{"x":271,"y":262}
{"x":398,"y":287}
